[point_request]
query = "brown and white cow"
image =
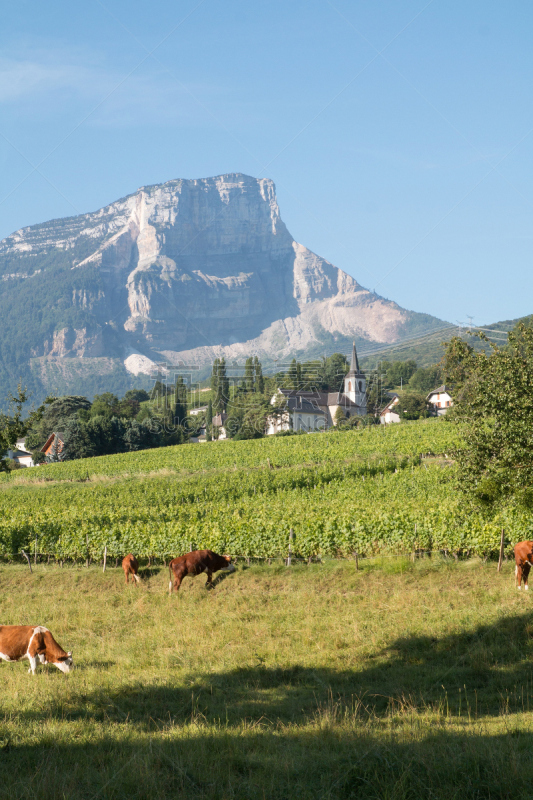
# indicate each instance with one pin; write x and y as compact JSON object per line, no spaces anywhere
{"x":195,"y":563}
{"x":130,"y":565}
{"x":35,"y":643}
{"x":523,"y":554}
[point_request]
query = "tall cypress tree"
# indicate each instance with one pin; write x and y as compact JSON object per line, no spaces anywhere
{"x":208,"y":421}
{"x":214,"y":378}
{"x":223,"y":384}
{"x":249,"y":376}
{"x":219,"y":385}
{"x":180,"y":401}
{"x":259,"y":381}
{"x":292,"y":375}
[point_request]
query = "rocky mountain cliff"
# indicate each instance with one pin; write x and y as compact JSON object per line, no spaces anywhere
{"x":179,"y":272}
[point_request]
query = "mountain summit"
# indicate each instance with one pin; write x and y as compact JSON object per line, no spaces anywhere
{"x":183,"y":271}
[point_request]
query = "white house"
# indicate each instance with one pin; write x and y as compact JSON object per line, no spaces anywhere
{"x":390,"y":412}
{"x":299,"y":413}
{"x":439,"y":401}
{"x":21,"y":457}
{"x":313,"y":410}
{"x":195,"y":411}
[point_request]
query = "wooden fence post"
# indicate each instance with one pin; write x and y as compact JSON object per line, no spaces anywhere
{"x":105,"y":558}
{"x":290,"y":548}
{"x":356,"y":561}
{"x":87,"y":543}
{"x":501,"y":551}
{"x":35,"y":554}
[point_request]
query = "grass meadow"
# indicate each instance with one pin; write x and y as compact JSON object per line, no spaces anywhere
{"x":399,"y":680}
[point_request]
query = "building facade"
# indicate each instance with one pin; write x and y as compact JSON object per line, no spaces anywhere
{"x":313,"y":410}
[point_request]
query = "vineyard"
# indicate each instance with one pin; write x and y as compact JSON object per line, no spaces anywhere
{"x":367,"y":492}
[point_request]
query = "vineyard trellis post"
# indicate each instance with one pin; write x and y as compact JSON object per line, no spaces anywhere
{"x":87,"y":543}
{"x":502,"y":540}
{"x":105,"y":558}
{"x":35,"y":552}
{"x":291,"y":534}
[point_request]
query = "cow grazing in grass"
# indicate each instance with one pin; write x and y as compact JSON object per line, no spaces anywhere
{"x":523,"y":554}
{"x":34,"y":643}
{"x":195,"y":563}
{"x":130,"y":565}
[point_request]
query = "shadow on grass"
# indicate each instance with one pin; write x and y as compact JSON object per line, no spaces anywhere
{"x":322,"y":764}
{"x":411,"y":725}
{"x":484,"y":672}
{"x":145,"y":573}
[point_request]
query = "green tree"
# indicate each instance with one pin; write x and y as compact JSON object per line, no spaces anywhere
{"x":399,"y":372}
{"x":209,"y":422}
{"x":180,"y":401}
{"x":140,"y":395}
{"x":259,"y":380}
{"x":219,"y":385}
{"x":13,"y":426}
{"x":104,"y":405}
{"x":458,"y":363}
{"x":55,"y":417}
{"x":335,"y":368}
{"x":425,"y":379}
{"x":78,"y":442}
{"x":292,"y":375}
{"x":412,"y":405}
{"x":247,"y":417}
{"x":339,"y":418}
{"x":492,"y":400}
{"x":249,"y":375}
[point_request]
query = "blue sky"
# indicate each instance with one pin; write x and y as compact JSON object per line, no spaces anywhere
{"x":399,"y":134}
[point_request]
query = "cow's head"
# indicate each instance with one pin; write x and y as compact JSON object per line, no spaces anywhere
{"x":65,"y":663}
{"x":231,"y":566}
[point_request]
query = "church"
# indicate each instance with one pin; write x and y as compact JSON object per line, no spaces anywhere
{"x":313,"y":410}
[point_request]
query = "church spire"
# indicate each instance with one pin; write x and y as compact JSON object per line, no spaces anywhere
{"x":354,"y":366}
{"x":355,"y":384}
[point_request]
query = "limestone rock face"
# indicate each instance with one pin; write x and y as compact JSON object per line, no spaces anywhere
{"x":189,"y":269}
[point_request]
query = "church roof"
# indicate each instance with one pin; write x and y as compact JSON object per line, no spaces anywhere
{"x":315,"y":400}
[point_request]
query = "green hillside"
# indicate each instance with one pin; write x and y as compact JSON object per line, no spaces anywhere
{"x":428,"y":348}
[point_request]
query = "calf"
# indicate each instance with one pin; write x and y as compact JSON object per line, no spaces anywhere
{"x":34,"y":643}
{"x":130,"y":565}
{"x":523,"y":554}
{"x":196,"y":562}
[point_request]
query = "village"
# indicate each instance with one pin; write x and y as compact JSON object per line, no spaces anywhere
{"x":294,"y":410}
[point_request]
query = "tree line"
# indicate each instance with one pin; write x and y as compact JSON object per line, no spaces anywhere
{"x":241,"y":403}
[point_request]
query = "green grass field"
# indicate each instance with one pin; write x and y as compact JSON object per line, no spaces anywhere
{"x":400,"y":680}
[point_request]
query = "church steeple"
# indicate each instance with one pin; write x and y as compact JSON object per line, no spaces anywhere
{"x":354,"y":366}
{"x":355,"y":383}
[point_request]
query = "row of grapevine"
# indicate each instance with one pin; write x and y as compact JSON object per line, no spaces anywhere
{"x":376,"y":506}
{"x":407,"y":439}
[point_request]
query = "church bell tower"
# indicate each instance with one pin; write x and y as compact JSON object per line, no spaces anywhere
{"x":355,"y":383}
